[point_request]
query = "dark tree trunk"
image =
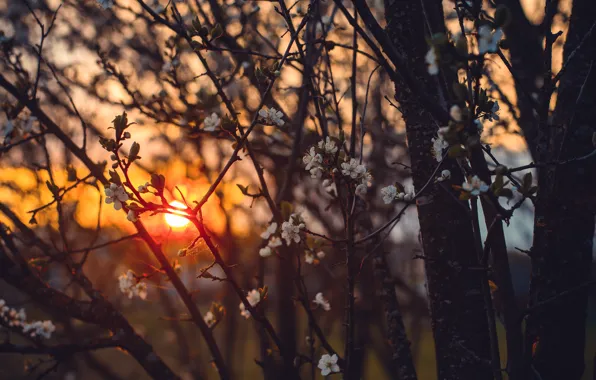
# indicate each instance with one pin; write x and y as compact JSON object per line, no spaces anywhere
{"x":457,"y":307}
{"x":564,"y":220}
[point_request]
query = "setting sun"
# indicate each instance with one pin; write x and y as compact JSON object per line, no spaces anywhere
{"x":176,"y":221}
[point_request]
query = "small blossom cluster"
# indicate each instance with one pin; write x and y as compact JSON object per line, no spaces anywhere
{"x":272,"y":116}
{"x":131,"y":287}
{"x":445,"y":175}
{"x":18,"y":319}
{"x":391,"y":193}
{"x":318,"y":159}
{"x":211,"y":122}
{"x":253,"y":297}
{"x":117,"y":195}
{"x":475,"y":186}
{"x":292,"y":228}
{"x":356,"y":171}
{"x":272,"y":241}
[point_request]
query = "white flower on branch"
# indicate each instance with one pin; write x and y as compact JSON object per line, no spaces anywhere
{"x":445,"y":174}
{"x":18,"y":319}
{"x":209,"y":319}
{"x":328,"y":146}
{"x":269,"y":231}
{"x":389,"y":193}
{"x":352,"y":168}
{"x":131,"y":287}
{"x":117,"y":195}
{"x":488,"y":40}
{"x":475,"y":186}
{"x":265,"y":251}
{"x":290,"y":229}
{"x":253,"y":297}
{"x":439,"y":144}
{"x":322,"y":302}
{"x":312,"y":159}
{"x":40,"y":329}
{"x":328,"y":364}
{"x":211,"y":122}
{"x":309,"y":258}
{"x":272,"y":116}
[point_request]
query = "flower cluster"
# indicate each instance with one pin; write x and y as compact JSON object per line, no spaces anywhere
{"x":391,"y":193}
{"x":272,"y":241}
{"x":318,"y":159}
{"x":253,"y":297}
{"x":18,"y":319}
{"x":328,"y":364}
{"x":488,"y":40}
{"x":272,"y":116}
{"x":475,"y":186}
{"x":321,"y":301}
{"x":211,"y":122}
{"x":117,"y":195}
{"x":356,"y":171}
{"x":131,"y":287}
{"x":291,"y":229}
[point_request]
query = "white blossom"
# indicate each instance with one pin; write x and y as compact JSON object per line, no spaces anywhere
{"x":321,"y":255}
{"x":488,"y":40}
{"x":328,"y":146}
{"x":18,"y":319}
{"x":475,"y":186}
{"x":131,"y":287}
{"x":361,"y":189}
{"x":328,"y":364}
{"x":40,"y":329}
{"x":389,"y":193}
{"x":316,"y":172}
{"x":265,"y":251}
{"x":445,"y":174}
{"x":309,"y":258}
{"x":321,"y":301}
{"x":312,"y":159}
{"x":432,"y":61}
{"x":105,"y":4}
{"x":352,"y":168}
{"x":117,"y":195}
{"x":209,"y":319}
{"x":290,"y":231}
{"x":253,"y":297}
{"x":269,"y":231}
{"x":211,"y":122}
{"x":272,"y":116}
{"x":439,"y":144}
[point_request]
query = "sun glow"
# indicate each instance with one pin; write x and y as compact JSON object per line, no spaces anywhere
{"x":176,"y":221}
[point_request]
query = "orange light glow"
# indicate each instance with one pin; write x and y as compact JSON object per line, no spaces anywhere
{"x":176,"y":221}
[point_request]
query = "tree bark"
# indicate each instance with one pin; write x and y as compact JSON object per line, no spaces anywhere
{"x":458,"y":313}
{"x":564,"y":219}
